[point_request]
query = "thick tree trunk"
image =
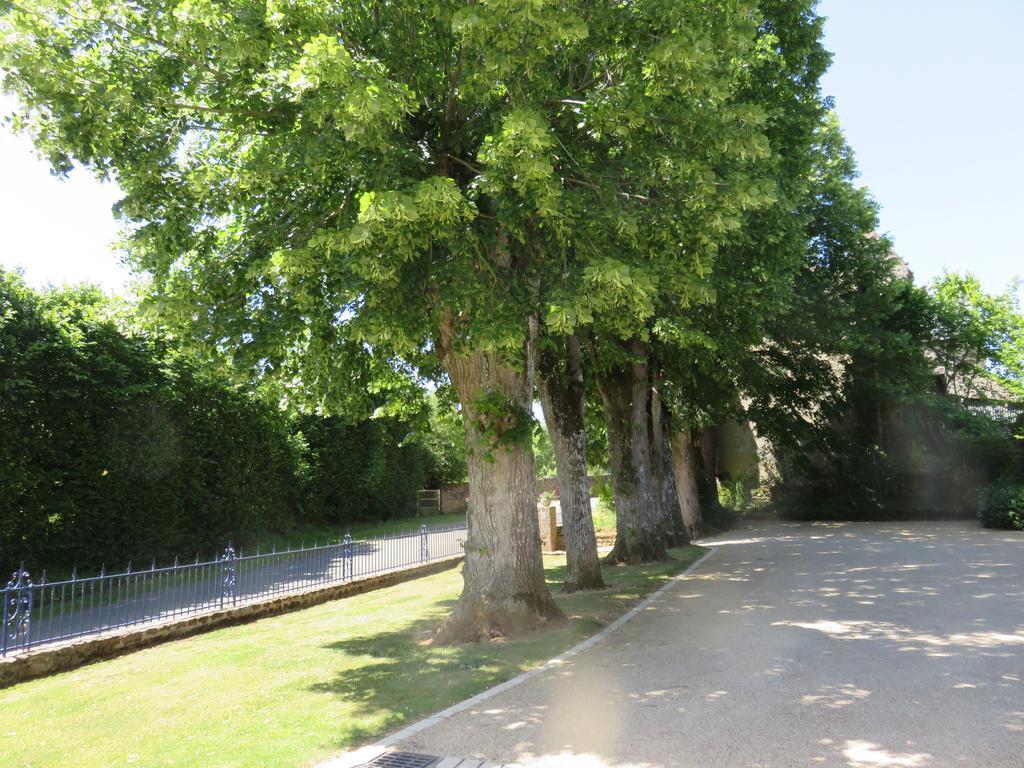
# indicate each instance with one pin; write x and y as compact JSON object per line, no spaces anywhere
{"x":665,"y":492}
{"x":707,"y":474}
{"x":684,"y":464}
{"x":504,"y":590}
{"x":562,"y":398}
{"x":624,"y":394}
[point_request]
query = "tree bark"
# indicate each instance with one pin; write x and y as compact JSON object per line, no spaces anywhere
{"x":707,"y":475}
{"x":684,"y":464}
{"x":562,"y":398}
{"x":624,"y":393}
{"x":504,"y":591}
{"x":665,"y":492}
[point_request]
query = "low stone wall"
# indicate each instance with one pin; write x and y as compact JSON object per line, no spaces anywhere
{"x":455,"y":498}
{"x":62,"y":657}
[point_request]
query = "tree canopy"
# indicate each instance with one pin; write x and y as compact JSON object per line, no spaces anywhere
{"x":978,"y":338}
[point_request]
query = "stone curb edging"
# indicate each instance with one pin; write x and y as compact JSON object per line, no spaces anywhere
{"x":371,"y":751}
{"x":62,"y":657}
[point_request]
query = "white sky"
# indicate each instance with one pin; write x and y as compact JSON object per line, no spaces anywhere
{"x":56,"y":230}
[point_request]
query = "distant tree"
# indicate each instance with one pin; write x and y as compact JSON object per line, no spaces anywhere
{"x":976,"y":336}
{"x":445,"y":439}
{"x":701,"y":343}
{"x":647,"y":273}
{"x":543,"y":451}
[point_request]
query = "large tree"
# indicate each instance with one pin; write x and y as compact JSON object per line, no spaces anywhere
{"x":415,"y":179}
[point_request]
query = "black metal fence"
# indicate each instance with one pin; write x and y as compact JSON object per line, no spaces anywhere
{"x":41,"y":613}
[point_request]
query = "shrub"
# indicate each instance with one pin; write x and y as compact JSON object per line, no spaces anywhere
{"x":117,"y":448}
{"x":1001,"y":505}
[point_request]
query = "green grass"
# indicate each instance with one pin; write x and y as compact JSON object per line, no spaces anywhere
{"x":291,"y":690}
{"x":604,"y":517}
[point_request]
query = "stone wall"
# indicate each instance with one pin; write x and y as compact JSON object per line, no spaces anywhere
{"x":455,"y":498}
{"x":50,"y":659}
{"x":549,"y":519}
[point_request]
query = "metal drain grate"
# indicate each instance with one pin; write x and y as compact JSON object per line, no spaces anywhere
{"x":402,"y":760}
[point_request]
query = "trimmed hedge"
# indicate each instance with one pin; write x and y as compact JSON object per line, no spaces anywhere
{"x":115,"y":448}
{"x":363,"y":470}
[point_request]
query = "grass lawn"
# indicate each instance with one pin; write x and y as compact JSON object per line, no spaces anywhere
{"x":291,"y":690}
{"x":604,"y":519}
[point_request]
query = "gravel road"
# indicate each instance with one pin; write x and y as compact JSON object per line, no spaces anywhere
{"x":855,"y":645}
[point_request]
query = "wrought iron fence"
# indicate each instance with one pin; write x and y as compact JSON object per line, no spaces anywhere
{"x":35,"y":614}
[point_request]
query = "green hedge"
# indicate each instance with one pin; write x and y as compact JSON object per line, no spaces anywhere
{"x":366,"y":470}
{"x":115,"y":448}
{"x":1001,"y":505}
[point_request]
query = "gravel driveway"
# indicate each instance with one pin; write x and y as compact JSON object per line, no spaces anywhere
{"x":856,"y":645}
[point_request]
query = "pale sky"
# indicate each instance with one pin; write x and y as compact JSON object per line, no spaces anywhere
{"x":928,"y":91}
{"x":57,"y":230}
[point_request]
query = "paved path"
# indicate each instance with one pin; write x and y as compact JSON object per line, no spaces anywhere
{"x":143,"y":598}
{"x":855,"y":645}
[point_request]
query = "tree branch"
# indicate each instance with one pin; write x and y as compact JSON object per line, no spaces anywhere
{"x":225,"y":110}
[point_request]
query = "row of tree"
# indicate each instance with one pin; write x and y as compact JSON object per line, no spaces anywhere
{"x":644,"y":205}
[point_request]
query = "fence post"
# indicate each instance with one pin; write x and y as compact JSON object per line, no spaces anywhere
{"x":3,"y":626}
{"x":346,"y":557}
{"x":229,"y":575}
{"x":17,"y":607}
{"x":424,"y":543}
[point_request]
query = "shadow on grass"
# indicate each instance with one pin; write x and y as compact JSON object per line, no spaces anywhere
{"x":400,"y":675}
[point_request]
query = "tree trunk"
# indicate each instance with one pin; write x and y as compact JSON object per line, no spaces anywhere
{"x":665,"y":492}
{"x":707,"y":475}
{"x":563,"y":400}
{"x":504,"y":591}
{"x":685,"y":469}
{"x":624,"y":392}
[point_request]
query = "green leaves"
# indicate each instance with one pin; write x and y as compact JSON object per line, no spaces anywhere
{"x":302,"y":176}
{"x":977,"y":338}
{"x":515,"y":38}
{"x":404,"y":225}
{"x":518,"y":161}
{"x":356,"y":97}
